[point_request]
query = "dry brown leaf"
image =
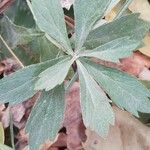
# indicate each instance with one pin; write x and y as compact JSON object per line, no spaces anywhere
{"x":135,"y":63}
{"x":5,"y":118}
{"x":60,"y":141}
{"x":75,"y":130}
{"x":146,"y":49}
{"x":127,"y":134}
{"x":73,"y":119}
{"x":46,"y":145}
{"x":18,"y":112}
{"x":142,"y":7}
{"x":10,"y":66}
{"x":22,"y":142}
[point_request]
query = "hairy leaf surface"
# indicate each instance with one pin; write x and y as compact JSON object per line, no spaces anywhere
{"x":129,"y":25}
{"x":49,"y":17}
{"x":54,"y":75}
{"x":114,"y":50}
{"x":87,"y":12}
{"x":125,"y":90}
{"x":46,"y":117}
{"x":19,"y":86}
{"x":96,"y":110}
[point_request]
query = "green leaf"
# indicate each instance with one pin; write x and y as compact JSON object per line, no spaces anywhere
{"x":129,"y":25}
{"x":19,"y":86}
{"x":5,"y":147}
{"x":47,"y":49}
{"x":125,"y":90}
{"x":39,"y":50}
{"x":20,"y":14}
{"x":16,"y":35}
{"x":46,"y":117}
{"x":96,"y":110}
{"x":113,"y":50}
{"x":50,"y":19}
{"x":54,"y":75}
{"x":87,"y":13}
{"x":2,"y":136}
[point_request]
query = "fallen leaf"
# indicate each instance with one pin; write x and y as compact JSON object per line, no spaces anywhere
{"x":142,"y":7}
{"x":60,"y":141}
{"x":146,"y":49}
{"x":135,"y":63}
{"x":73,"y":124}
{"x":10,"y":66}
{"x":18,"y":112}
{"x":22,"y":142}
{"x":47,"y":145}
{"x":127,"y":134}
{"x":5,"y":118}
{"x":73,"y":119}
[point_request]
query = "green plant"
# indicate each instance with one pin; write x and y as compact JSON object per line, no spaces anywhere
{"x":109,"y":42}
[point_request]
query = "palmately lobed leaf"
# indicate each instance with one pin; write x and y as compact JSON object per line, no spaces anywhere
{"x":114,"y":50}
{"x":96,"y":110}
{"x":49,"y":17}
{"x":87,"y":13}
{"x":46,"y":117}
{"x":126,"y":26}
{"x":124,"y":90}
{"x":19,"y":86}
{"x":54,"y":75}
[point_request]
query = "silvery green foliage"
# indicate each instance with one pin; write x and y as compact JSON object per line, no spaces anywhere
{"x":19,"y":86}
{"x":46,"y":117}
{"x":124,"y":85}
{"x":96,"y":110}
{"x":109,"y":42}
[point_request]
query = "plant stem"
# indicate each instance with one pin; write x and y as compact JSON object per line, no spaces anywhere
{"x":123,"y":8}
{"x":11,"y":129}
{"x":12,"y":53}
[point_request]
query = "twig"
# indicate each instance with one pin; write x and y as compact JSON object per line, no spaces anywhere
{"x":11,"y":129}
{"x":123,"y":8}
{"x":12,"y":53}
